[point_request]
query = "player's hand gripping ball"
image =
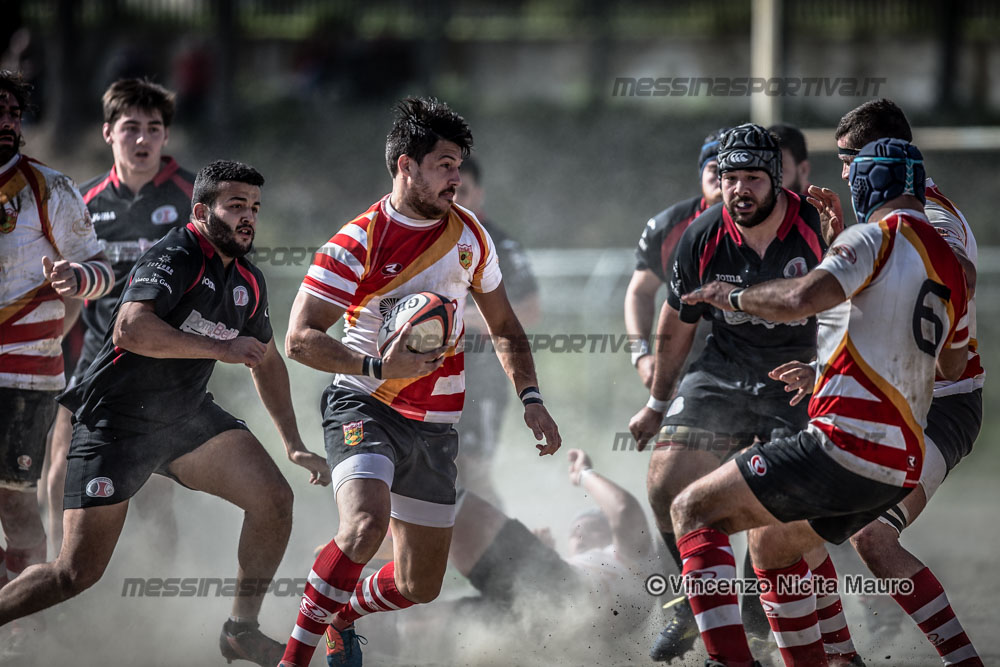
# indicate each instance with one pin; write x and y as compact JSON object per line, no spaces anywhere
{"x":431,"y":315}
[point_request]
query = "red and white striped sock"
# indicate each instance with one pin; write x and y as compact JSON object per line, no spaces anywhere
{"x":376,"y":592}
{"x":331,"y":580}
{"x":832,"y":624}
{"x":707,"y":552}
{"x":792,"y":614}
{"x":928,"y":606}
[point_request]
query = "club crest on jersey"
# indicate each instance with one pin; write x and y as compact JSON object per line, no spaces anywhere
{"x":165,"y":215}
{"x":392,"y":269}
{"x":845,"y":251}
{"x":758,"y":465}
{"x":354,"y":433}
{"x":796,"y":268}
{"x":8,"y":218}
{"x":240,"y":296}
{"x":24,"y":462}
{"x":465,"y":255}
{"x":100,"y":487}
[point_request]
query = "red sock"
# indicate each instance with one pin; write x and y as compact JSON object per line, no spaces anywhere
{"x":331,"y":580}
{"x":376,"y":592}
{"x":706,"y":554}
{"x":928,"y":606}
{"x":792,"y":614}
{"x":832,"y":624}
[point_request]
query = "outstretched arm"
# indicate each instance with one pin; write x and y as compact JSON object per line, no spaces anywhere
{"x":784,"y":300}
{"x":629,"y":528}
{"x":271,"y":378}
{"x":514,"y":352}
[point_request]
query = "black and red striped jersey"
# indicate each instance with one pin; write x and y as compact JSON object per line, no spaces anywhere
{"x":712,"y":248}
{"x":655,"y":251}
{"x":128,"y":223}
{"x":190,"y":289}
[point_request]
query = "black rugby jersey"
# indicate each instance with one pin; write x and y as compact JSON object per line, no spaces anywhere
{"x":192,"y":291}
{"x":660,"y":236}
{"x":712,"y":249}
{"x":128,"y":223}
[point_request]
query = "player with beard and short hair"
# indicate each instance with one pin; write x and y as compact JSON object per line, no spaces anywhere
{"x":726,"y":400}
{"x":388,"y":418}
{"x":655,"y":253}
{"x":144,"y":195}
{"x":49,"y":259}
{"x":142,"y":408}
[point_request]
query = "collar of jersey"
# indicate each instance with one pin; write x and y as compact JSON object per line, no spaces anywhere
{"x":168,"y":167}
{"x":206,"y":247}
{"x":10,"y":163}
{"x":396,"y":216}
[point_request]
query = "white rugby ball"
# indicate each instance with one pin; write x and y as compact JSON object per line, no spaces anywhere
{"x":432,"y":317}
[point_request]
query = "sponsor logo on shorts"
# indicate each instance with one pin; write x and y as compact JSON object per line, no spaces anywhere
{"x":845,"y":251}
{"x":312,"y":610}
{"x":796,"y":268}
{"x":392,"y":269}
{"x":100,"y":487}
{"x":24,"y":462}
{"x":465,"y":255}
{"x":240,"y":296}
{"x":165,"y":215}
{"x":758,"y":465}
{"x":354,"y":433}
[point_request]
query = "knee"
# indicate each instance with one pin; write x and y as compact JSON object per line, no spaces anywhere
{"x":75,"y":578}
{"x":360,"y":536}
{"x":277,"y":502}
{"x":684,"y":512}
{"x":419,"y":592}
{"x":873,"y":541}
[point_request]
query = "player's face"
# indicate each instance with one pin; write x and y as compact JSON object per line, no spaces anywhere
{"x":231,"y":222}
{"x":748,"y":196}
{"x":10,"y":126}
{"x":588,"y":533}
{"x":430,"y":186}
{"x":845,"y":160}
{"x":711,"y":188}
{"x":137,"y":138}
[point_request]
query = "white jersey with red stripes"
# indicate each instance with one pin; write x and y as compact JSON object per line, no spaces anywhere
{"x":907,"y":301}
{"x":382,"y":256}
{"x":945,"y":217}
{"x":43,"y":215}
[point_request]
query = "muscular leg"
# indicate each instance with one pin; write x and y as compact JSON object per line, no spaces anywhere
{"x":154,"y":504}
{"x":55,"y":478}
{"x":476,"y":526}
{"x":90,"y":538}
{"x":421,"y":556}
{"x":879,"y":547}
{"x":234,"y":466}
{"x":22,"y":523}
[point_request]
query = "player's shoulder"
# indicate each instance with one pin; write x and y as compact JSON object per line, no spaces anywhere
{"x":102,"y":179}
{"x":55,"y":181}
{"x":676,"y":213}
{"x":706,"y":223}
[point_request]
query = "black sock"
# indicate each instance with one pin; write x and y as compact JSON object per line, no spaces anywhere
{"x":671,"y":542}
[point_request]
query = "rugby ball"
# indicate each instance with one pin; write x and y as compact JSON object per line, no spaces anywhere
{"x":432,"y":317}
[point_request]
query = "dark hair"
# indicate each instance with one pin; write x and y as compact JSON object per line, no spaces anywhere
{"x":420,"y":123}
{"x":140,"y":94}
{"x":206,"y":183}
{"x":470,"y":166}
{"x":873,"y":120}
{"x":15,"y":84}
{"x":791,"y":137}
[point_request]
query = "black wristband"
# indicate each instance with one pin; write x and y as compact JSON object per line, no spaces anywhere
{"x":366,"y":365}
{"x":734,"y":298}
{"x":530,"y":395}
{"x":377,"y":368}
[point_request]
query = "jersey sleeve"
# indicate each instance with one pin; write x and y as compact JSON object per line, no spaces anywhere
{"x":854,"y":255}
{"x":163,"y":275}
{"x":685,"y":278}
{"x":949,"y":225}
{"x":487,"y":275}
{"x":72,"y":229}
{"x":338,"y":266}
{"x":259,"y":326}
{"x":647,"y":252}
